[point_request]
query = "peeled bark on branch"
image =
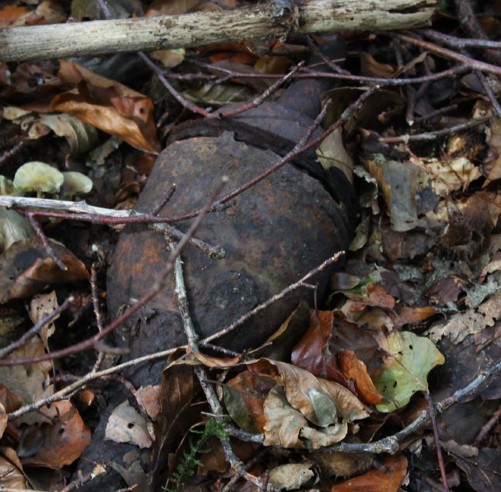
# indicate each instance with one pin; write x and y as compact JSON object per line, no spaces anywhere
{"x":200,"y":28}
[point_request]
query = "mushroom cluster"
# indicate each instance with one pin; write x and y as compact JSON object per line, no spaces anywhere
{"x":44,"y":179}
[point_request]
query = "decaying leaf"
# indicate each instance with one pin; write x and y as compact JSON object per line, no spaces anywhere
{"x":13,"y":227}
{"x":42,"y":305}
{"x":26,"y":269}
{"x":291,"y":476}
{"x":11,"y":471}
{"x":409,"y":359}
{"x":64,"y":440}
{"x":387,"y":478}
{"x":126,"y":424}
{"x":28,"y":381}
{"x":81,"y":136}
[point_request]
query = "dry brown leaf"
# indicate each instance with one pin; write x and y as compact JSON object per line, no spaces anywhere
{"x":26,"y":269}
{"x":64,"y":441}
{"x":43,"y":305}
{"x":372,"y":68}
{"x":312,"y":352}
{"x":493,"y":166}
{"x":319,"y":400}
{"x":473,"y":321}
{"x":148,"y":397}
{"x":244,"y":397}
{"x":109,"y":106}
{"x":28,"y":381}
{"x":353,"y":368}
{"x":399,"y":183}
{"x":388,"y":478}
{"x":9,"y":400}
{"x":11,"y":471}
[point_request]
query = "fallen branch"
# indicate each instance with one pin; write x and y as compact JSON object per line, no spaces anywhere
{"x":261,"y":22}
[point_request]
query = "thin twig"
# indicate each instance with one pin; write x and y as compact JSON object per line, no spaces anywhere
{"x":84,"y":212}
{"x":433,"y":418}
{"x":455,"y":42}
{"x":301,"y":282}
{"x":487,"y":428}
{"x":435,"y":134}
{"x":97,"y":313}
{"x":46,"y":244}
{"x":453,"y":55}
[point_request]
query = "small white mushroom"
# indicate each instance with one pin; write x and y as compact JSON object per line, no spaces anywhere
{"x":38,"y":176}
{"x":75,"y":183}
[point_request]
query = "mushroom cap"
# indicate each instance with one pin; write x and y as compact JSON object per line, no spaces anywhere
{"x":75,"y":182}
{"x":38,"y":176}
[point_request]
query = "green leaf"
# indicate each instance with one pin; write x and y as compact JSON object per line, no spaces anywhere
{"x":410,"y":359}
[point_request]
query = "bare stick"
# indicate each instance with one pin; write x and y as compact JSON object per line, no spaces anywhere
{"x":300,"y":283}
{"x":202,"y":28}
{"x":97,"y":215}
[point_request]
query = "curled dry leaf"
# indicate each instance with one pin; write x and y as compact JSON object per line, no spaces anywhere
{"x":26,"y":269}
{"x":353,"y":368}
{"x":81,"y":136}
{"x":108,"y":105}
{"x":321,"y":401}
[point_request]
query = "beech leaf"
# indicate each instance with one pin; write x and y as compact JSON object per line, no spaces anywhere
{"x":409,"y":360}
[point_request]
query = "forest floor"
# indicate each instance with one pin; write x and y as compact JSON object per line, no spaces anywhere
{"x":389,"y":380}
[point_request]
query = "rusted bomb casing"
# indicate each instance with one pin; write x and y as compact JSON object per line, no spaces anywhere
{"x":273,"y":234}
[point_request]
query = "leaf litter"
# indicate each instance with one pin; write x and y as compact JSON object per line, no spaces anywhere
{"x":414,"y":310}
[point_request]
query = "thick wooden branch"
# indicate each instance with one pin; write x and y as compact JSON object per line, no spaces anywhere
{"x":200,"y":28}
